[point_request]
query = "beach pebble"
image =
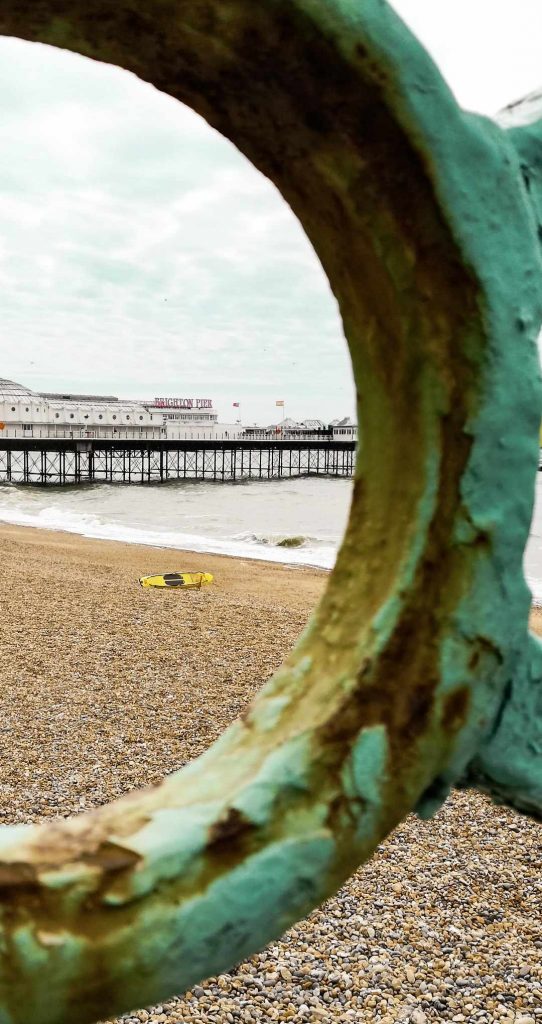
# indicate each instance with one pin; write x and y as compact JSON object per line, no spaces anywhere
{"x":441,"y":925}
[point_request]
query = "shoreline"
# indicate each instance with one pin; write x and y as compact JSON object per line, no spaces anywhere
{"x":237,"y":574}
{"x":44,"y":535}
{"x":273,"y":556}
{"x":44,"y":532}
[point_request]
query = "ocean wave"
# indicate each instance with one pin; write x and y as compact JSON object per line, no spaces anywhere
{"x":281,"y":540}
{"x":250,"y":546}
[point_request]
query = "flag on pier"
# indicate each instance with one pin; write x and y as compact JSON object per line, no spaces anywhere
{"x":280,"y":402}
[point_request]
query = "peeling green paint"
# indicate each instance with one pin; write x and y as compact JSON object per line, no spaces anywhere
{"x":365,"y":771}
{"x":417,"y":671}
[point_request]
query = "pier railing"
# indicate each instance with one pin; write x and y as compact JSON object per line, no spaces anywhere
{"x":45,"y":433}
{"x":71,"y":461}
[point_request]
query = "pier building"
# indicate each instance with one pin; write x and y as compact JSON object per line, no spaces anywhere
{"x":292,"y":430}
{"x":31,"y":414}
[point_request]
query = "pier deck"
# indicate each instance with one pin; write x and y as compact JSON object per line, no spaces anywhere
{"x":74,"y":461}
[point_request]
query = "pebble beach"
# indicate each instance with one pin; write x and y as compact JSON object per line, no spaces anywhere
{"x":106,"y":687}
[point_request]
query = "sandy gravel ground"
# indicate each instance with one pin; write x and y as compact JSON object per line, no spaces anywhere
{"x":106,"y":687}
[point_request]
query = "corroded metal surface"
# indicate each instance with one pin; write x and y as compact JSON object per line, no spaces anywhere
{"x":417,"y":667}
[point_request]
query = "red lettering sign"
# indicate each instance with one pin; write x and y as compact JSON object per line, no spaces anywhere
{"x":183,"y":403}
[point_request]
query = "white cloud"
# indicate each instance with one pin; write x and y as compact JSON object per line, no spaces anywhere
{"x":488,"y":50}
{"x":143,"y":254}
{"x":140,"y":253}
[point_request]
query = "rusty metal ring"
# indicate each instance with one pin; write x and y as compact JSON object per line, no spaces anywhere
{"x":417,"y":667}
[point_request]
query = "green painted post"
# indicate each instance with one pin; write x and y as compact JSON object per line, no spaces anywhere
{"x":417,"y":670}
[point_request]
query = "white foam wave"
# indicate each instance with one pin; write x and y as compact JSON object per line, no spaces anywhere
{"x":535,"y":586}
{"x":240,"y":546}
{"x":281,"y":539}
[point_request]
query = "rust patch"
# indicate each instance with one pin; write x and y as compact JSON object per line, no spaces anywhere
{"x":484,"y":647}
{"x":232,"y":825}
{"x":342,"y":813}
{"x":455,"y":709}
{"x":474,"y":659}
{"x":19,"y":888}
{"x":111,"y":858}
{"x":231,"y":839}
{"x":17,"y":875}
{"x":18,"y":885}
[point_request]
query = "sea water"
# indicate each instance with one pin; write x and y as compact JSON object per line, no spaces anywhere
{"x":299,"y":521}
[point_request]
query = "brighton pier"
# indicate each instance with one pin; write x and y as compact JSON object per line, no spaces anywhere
{"x":56,"y":438}
{"x":68,"y":461}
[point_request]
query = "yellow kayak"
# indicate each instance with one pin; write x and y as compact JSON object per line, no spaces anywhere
{"x":177,"y":579}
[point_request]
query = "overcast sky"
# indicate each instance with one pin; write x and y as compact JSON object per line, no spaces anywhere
{"x":141,"y":255}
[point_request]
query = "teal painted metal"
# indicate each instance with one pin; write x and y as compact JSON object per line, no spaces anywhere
{"x":417,"y":669}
